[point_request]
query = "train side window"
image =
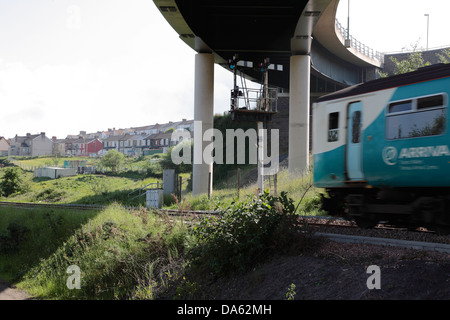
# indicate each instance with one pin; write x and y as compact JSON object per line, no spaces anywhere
{"x":333,"y":127}
{"x":428,"y":117}
{"x":400,"y":106}
{"x":430,"y":102}
{"x":356,"y":130}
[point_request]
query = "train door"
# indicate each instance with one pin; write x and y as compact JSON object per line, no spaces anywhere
{"x":354,"y":147}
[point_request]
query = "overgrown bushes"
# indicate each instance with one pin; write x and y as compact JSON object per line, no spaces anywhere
{"x":243,"y":233}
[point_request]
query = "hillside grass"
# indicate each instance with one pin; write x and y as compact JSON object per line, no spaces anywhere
{"x":104,"y":189}
{"x":100,"y":189}
{"x":44,"y":230}
{"x":121,"y":253}
{"x":29,"y":163}
{"x":126,"y":253}
{"x":80,"y":189}
{"x":140,"y":165}
{"x":299,"y":187}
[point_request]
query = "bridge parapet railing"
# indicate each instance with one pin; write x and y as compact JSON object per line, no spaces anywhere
{"x":358,"y":45}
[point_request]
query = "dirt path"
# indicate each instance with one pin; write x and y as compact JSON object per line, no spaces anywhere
{"x":11,"y":293}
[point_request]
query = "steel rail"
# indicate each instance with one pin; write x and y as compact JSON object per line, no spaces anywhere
{"x":51,"y":205}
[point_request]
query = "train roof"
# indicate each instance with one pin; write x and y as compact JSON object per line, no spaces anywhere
{"x":432,"y":72}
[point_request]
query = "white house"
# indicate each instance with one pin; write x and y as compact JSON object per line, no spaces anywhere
{"x":31,"y":145}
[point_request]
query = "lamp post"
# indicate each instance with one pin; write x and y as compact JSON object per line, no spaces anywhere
{"x":428,"y":26}
{"x":347,"y":40}
{"x":348,"y":20}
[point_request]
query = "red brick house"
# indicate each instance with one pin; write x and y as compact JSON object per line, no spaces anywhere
{"x":87,"y":147}
{"x":94,"y":146}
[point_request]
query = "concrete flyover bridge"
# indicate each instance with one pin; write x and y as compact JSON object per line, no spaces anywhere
{"x":301,"y":35}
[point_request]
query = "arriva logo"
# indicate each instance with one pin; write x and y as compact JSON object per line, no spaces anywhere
{"x":391,"y":155}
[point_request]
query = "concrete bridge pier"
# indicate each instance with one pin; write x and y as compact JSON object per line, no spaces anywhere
{"x":203,"y":120}
{"x":299,"y":112}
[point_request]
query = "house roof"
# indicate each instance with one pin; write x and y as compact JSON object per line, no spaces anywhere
{"x":3,"y":138}
{"x":85,"y":140}
{"x":132,"y":137}
{"x":147,"y":127}
{"x":113,"y":138}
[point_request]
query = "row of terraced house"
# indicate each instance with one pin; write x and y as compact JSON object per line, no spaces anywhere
{"x":134,"y":141}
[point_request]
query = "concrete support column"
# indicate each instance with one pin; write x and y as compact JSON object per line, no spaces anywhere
{"x":203,"y":120}
{"x":299,"y":106}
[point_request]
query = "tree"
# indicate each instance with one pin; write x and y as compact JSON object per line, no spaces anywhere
{"x":11,"y":182}
{"x":412,"y":63}
{"x":445,"y":56}
{"x":113,"y":159}
{"x":167,"y":161}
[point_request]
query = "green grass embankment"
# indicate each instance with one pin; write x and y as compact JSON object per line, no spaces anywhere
{"x":121,"y":253}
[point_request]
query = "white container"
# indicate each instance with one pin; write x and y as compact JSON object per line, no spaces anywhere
{"x":154,"y":198}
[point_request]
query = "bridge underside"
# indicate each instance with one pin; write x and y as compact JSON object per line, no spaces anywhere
{"x":254,"y":30}
{"x":281,"y":30}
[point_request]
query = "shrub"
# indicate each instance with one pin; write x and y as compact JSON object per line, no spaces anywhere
{"x":113,"y":159}
{"x":240,"y":235}
{"x":11,"y":182}
{"x":50,"y":195}
{"x":10,"y":241}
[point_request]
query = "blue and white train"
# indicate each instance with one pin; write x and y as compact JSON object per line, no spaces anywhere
{"x":382,"y":149}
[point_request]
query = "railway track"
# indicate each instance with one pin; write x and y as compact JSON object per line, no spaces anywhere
{"x":95,"y":207}
{"x":341,"y":230}
{"x":336,"y":229}
{"x":51,"y":205}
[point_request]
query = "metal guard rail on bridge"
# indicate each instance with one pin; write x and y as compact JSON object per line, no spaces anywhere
{"x":359,"y":46}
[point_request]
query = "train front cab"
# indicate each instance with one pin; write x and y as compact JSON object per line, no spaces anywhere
{"x":338,"y":152}
{"x":338,"y":144}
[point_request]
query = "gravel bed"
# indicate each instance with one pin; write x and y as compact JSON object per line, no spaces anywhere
{"x":334,"y":227}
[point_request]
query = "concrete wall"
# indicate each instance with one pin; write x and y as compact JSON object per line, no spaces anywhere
{"x":54,"y":172}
